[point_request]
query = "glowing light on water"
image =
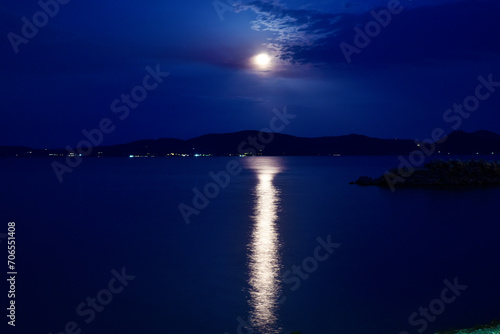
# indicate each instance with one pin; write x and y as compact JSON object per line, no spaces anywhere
{"x":264,"y":257}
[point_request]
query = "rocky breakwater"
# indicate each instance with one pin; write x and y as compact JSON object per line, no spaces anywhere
{"x":440,"y":173}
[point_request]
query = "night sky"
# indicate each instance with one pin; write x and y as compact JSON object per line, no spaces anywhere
{"x":65,"y":77}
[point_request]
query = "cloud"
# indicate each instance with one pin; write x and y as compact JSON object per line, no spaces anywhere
{"x":463,"y":30}
{"x":290,"y":27}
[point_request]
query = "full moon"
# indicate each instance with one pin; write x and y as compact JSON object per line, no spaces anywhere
{"x":262,"y":60}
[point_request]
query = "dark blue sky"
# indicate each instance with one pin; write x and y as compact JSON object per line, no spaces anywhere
{"x":65,"y":77}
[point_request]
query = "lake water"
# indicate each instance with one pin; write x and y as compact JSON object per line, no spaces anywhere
{"x":288,"y":245}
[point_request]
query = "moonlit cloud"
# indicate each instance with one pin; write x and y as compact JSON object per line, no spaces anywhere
{"x":310,"y":36}
{"x":64,"y":80}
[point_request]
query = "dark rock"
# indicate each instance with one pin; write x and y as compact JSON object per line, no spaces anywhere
{"x":440,"y":172}
{"x":365,"y":181}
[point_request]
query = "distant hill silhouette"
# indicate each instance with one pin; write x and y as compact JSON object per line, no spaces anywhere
{"x":257,"y":143}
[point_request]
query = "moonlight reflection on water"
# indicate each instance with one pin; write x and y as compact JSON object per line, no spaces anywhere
{"x":264,"y":257}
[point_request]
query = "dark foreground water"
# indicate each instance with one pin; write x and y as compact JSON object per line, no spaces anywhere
{"x":287,"y":245}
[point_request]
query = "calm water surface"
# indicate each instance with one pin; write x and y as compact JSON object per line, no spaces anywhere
{"x":256,"y":253}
